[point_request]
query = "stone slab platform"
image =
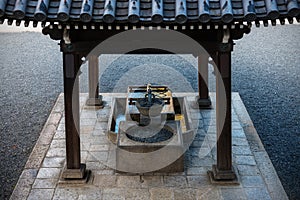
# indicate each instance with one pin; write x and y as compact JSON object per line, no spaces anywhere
{"x":40,"y":178}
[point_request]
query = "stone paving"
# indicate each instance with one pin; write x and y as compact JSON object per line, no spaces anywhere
{"x":41,"y":176}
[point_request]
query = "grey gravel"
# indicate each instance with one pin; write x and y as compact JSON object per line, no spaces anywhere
{"x":266,"y":73}
{"x":31,"y":79}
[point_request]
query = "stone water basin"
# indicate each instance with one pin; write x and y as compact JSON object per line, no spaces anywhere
{"x":150,"y":148}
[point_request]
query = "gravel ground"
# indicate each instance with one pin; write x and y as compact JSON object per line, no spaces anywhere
{"x":266,"y":73}
{"x":30,"y":77}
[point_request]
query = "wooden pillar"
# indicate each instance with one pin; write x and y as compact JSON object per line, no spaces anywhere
{"x":203,"y":99}
{"x":215,"y":59}
{"x":223,"y":170}
{"x":94,"y":98}
{"x":73,"y":169}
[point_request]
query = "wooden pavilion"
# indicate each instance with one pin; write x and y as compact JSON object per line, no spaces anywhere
{"x":80,"y":25}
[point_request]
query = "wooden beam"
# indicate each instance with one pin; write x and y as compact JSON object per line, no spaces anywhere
{"x":73,"y":169}
{"x":223,"y":170}
{"x":94,"y":98}
{"x":203,"y":99}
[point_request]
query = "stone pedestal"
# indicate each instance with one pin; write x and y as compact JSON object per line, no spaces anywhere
{"x":142,"y":157}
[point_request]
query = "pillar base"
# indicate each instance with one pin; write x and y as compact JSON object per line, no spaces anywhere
{"x":203,"y":103}
{"x":74,"y":173}
{"x":223,"y":176}
{"x":94,"y":101}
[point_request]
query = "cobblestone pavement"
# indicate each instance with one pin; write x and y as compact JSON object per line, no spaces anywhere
{"x":40,"y":178}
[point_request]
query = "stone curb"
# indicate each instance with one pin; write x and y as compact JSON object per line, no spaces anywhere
{"x":263,"y":161}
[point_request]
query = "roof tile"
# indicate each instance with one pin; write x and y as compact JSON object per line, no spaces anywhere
{"x":149,"y":11}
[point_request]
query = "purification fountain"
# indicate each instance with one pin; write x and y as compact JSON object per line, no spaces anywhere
{"x":151,"y":128}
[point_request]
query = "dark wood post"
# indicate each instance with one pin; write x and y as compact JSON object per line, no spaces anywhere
{"x":203,"y":99}
{"x":74,"y":169}
{"x":224,"y":170}
{"x":94,"y":98}
{"x":215,"y":59}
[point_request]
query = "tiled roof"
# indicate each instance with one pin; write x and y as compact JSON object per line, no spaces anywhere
{"x":148,"y":11}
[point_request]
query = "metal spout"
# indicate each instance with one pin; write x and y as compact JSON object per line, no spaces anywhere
{"x":149,"y":94}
